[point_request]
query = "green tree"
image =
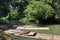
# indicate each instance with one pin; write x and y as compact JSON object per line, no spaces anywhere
{"x":29,"y":10}
{"x":13,"y":15}
{"x":3,"y":9}
{"x":3,"y":12}
{"x":38,"y":9}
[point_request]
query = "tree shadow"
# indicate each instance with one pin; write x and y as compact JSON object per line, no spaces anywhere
{"x":47,"y":22}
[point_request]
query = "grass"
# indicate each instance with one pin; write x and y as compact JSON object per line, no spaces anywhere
{"x":54,"y":29}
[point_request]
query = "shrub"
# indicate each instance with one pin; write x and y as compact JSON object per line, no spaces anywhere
{"x":5,"y":36}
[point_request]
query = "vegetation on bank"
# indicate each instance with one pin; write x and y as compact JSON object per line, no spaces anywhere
{"x":35,"y":11}
{"x":6,"y":36}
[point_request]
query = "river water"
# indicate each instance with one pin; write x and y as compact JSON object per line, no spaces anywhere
{"x":24,"y":38}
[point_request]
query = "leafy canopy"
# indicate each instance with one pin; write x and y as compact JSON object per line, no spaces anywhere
{"x":38,"y":9}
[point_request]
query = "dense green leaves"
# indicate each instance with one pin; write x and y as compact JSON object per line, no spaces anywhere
{"x":13,"y":15}
{"x":29,"y":10}
{"x":38,"y":9}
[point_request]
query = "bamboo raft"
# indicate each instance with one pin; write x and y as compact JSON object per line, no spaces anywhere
{"x":33,"y":28}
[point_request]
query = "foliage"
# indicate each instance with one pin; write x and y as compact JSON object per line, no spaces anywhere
{"x":4,"y":20}
{"x":5,"y":36}
{"x":3,"y":10}
{"x":38,"y":9}
{"x":29,"y":10}
{"x":13,"y":15}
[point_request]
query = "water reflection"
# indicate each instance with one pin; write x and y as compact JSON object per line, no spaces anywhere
{"x":24,"y":38}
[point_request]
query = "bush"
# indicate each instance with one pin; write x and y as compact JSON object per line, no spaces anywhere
{"x":5,"y":36}
{"x":4,"y":21}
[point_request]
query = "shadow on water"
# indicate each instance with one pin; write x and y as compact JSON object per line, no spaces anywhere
{"x":10,"y":25}
{"x":17,"y":23}
{"x":49,"y":22}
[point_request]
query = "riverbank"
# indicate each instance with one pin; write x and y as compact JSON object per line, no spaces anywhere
{"x":37,"y":36}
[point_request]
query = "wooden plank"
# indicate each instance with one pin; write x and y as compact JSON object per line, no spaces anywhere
{"x":33,"y":28}
{"x":31,"y":34}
